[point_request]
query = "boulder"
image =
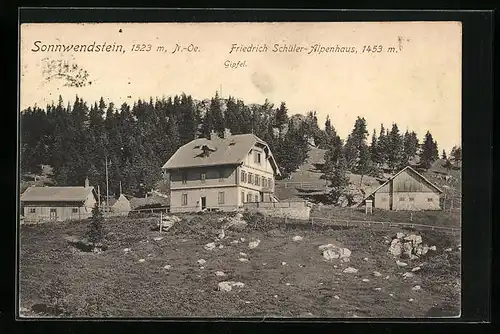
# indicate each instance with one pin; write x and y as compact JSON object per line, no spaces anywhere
{"x":400,"y":235}
{"x":242,"y":259}
{"x":365,"y":280}
{"x":401,"y":264}
{"x":414,"y":238}
{"x":220,"y":273}
{"x":416,"y":288}
{"x":167,"y":266}
{"x":331,"y":251}
{"x":432,"y":248}
{"x":350,"y":270}
{"x":253,"y":244}
{"x":243,"y":254}
{"x":395,"y":249}
{"x":201,"y":262}
{"x":227,"y":286}
{"x":408,"y":275}
{"x":234,"y":223}
{"x":297,"y":238}
{"x":407,"y":249}
{"x":210,"y":246}
{"x":377,"y":274}
{"x":415,"y":269}
{"x":142,"y":260}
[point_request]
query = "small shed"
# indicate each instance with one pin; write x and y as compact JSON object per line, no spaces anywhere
{"x":406,"y":190}
{"x":118,"y":206}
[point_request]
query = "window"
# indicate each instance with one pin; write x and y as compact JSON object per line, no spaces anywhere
{"x":257,"y":158}
{"x":32,"y":210}
{"x":184,"y":199}
{"x":249,"y":198}
{"x":257,"y":180}
{"x":242,"y":197}
{"x":221,"y":175}
{"x":270,"y":183}
{"x":412,"y":199}
{"x":184,"y":177}
{"x":256,"y":197}
{"x":53,"y":210}
{"x":203,"y":177}
{"x":250,"y":178}
{"x":401,"y":199}
{"x":429,"y":199}
{"x":221,"y":197}
{"x":243,"y":176}
{"x":264,"y":182}
{"x":74,"y":210}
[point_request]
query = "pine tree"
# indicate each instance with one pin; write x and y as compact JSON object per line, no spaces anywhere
{"x":456,"y":154}
{"x":214,"y":119}
{"x":443,"y":155}
{"x":395,"y":149}
{"x":429,"y":152}
{"x":281,"y":116}
{"x":96,"y":232}
{"x":294,"y":142}
{"x":336,"y":174}
{"x":410,"y":143}
{"x":354,"y":144}
{"x":383,"y":146}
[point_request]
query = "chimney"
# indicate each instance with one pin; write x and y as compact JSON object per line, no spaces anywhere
{"x":227,"y":133}
{"x":213,"y":135}
{"x":87,"y":184}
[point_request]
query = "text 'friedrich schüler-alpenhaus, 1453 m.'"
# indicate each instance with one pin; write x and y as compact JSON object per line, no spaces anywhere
{"x":291,"y":48}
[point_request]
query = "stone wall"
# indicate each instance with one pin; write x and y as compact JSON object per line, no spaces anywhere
{"x":292,"y":210}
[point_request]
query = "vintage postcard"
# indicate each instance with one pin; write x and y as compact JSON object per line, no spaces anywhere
{"x":240,"y":170}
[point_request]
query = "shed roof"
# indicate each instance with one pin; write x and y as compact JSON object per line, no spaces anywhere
{"x":223,"y":151}
{"x":56,"y":194}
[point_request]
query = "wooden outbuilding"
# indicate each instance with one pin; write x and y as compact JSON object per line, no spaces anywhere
{"x":405,"y":190}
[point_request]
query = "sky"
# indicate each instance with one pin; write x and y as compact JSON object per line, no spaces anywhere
{"x":416,"y":85}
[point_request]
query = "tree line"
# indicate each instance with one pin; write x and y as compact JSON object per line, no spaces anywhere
{"x":79,"y":139}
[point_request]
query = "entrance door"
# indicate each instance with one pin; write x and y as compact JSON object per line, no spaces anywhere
{"x":203,"y":203}
{"x":53,"y":214}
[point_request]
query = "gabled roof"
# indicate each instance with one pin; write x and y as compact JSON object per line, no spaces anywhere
{"x":113,"y":200}
{"x":56,"y":194}
{"x":223,"y":151}
{"x":432,"y":185}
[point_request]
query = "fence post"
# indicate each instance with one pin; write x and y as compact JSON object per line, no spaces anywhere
{"x":161,"y":219}
{"x":312,"y":223}
{"x":411,"y":216}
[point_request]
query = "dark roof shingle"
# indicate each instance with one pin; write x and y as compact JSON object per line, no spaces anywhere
{"x":223,"y":151}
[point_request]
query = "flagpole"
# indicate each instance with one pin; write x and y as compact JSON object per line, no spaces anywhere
{"x":107,"y":184}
